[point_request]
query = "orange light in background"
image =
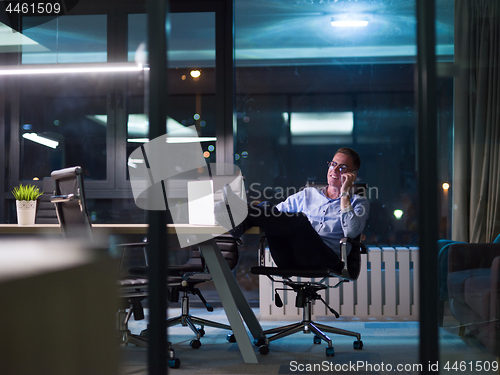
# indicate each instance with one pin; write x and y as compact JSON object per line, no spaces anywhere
{"x":35,"y":179}
{"x":195,"y":73}
{"x":446,"y":186}
{"x":200,"y":169}
{"x":206,"y":154}
{"x":183,"y":77}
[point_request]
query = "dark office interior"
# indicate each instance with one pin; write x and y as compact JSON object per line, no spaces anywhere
{"x":277,"y":98}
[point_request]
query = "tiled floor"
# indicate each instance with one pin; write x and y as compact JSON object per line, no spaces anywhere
{"x":387,"y":344}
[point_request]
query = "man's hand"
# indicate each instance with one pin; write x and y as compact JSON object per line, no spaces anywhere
{"x":347,"y":181}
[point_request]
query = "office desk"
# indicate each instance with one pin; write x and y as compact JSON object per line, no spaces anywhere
{"x":231,"y":296}
{"x":118,"y":229}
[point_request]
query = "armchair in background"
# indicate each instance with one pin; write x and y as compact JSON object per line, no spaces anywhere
{"x":474,"y":291}
{"x":443,"y":249}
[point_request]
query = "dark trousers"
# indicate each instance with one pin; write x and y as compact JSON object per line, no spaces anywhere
{"x":292,"y":240}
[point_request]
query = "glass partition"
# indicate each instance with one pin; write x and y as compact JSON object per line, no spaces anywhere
{"x":64,"y":122}
{"x":65,"y":39}
{"x":191,"y":60}
{"x":468,"y":188}
{"x":312,"y":77}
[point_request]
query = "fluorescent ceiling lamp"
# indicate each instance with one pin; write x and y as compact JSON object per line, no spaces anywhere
{"x":176,"y":139}
{"x":321,"y":123}
{"x":137,"y":140}
{"x":138,"y":126}
{"x":133,"y":162}
{"x":41,"y":140}
{"x":71,"y":68}
{"x":349,"y":23}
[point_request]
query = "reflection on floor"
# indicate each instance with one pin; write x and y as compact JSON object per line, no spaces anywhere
{"x":389,"y":345}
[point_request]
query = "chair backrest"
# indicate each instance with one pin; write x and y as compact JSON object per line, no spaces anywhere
{"x":46,"y":211}
{"x":228,"y":247}
{"x":69,"y":199}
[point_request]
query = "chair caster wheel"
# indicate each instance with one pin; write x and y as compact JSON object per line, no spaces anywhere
{"x":264,"y":349}
{"x":358,"y":344}
{"x":195,"y":344}
{"x":230,"y":337}
{"x":259,"y":342}
{"x":317,"y":340}
{"x":174,"y":363}
{"x":201,"y":331}
{"x":330,"y":352}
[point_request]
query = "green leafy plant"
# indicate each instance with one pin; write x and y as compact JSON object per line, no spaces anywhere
{"x":26,"y":192}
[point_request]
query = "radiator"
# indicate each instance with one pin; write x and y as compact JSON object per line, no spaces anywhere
{"x":387,"y":287}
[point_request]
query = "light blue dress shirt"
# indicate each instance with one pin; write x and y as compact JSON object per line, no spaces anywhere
{"x":326,"y":217}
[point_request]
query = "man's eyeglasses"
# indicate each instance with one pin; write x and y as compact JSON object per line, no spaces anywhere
{"x":342,"y":167}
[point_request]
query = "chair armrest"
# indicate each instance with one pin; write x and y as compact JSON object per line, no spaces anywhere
{"x":63,"y":198}
{"x":344,"y":257}
{"x":495,"y":291}
{"x":355,"y":242}
{"x":466,"y":256}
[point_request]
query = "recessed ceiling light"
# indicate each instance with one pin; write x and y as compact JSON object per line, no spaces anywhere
{"x":350,"y":23}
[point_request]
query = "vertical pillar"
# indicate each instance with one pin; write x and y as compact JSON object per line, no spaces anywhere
{"x":427,"y":182}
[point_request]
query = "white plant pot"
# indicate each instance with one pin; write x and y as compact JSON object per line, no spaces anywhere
{"x":26,"y":211}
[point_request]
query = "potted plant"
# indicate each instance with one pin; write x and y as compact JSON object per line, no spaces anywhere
{"x":26,"y":199}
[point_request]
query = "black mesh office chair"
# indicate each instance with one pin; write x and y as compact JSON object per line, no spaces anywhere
{"x":46,"y":212}
{"x":183,"y":281}
{"x":69,"y":200}
{"x":308,"y":291}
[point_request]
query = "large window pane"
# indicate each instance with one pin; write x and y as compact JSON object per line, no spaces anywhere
{"x":63,"y":122}
{"x":192,"y":96}
{"x":66,"y":39}
{"x":468,"y":190}
{"x":305,"y":88}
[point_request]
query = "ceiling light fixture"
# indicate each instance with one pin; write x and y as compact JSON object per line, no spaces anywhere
{"x":176,"y":139}
{"x":349,"y":23}
{"x":41,"y":140}
{"x":71,"y":69}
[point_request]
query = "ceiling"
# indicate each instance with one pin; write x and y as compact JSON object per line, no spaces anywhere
{"x":267,"y":32}
{"x":277,"y":30}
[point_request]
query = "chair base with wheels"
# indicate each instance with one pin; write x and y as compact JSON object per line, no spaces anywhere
{"x":186,"y":319}
{"x":133,"y":292}
{"x":184,"y":278}
{"x":307,"y":292}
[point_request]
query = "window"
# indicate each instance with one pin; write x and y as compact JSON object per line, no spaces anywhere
{"x":71,"y":111}
{"x":65,"y":39}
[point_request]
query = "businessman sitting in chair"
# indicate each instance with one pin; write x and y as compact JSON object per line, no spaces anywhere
{"x":304,"y":231}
